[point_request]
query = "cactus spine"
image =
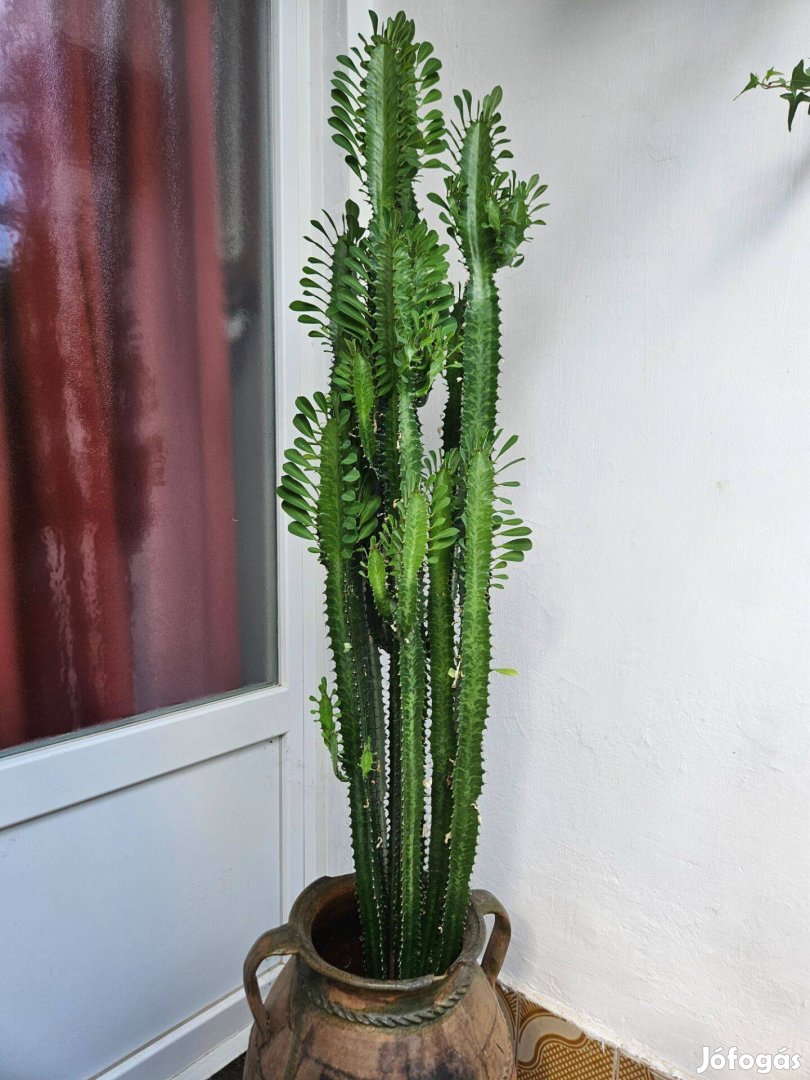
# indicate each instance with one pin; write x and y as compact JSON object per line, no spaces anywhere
{"x":411,"y":542}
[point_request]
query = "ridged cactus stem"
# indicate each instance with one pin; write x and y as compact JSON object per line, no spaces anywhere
{"x":382,"y":106}
{"x":480,"y":363}
{"x":441,"y":634}
{"x":388,"y":101}
{"x":378,"y":777}
{"x":406,"y":537}
{"x":343,"y":621}
{"x":468,"y":772}
{"x":410,"y":812}
{"x":384,"y":300}
{"x":395,"y":804}
{"x":409,"y":442}
{"x":481,"y":347}
{"x":451,"y":424}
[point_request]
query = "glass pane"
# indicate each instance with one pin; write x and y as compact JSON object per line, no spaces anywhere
{"x":136,"y":562}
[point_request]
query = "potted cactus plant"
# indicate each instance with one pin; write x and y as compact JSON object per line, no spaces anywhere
{"x":412,"y":539}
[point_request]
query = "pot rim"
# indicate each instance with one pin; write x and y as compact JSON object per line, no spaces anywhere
{"x":326,"y":890}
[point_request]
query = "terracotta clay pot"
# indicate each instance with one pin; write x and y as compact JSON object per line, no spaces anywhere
{"x":323,"y":1021}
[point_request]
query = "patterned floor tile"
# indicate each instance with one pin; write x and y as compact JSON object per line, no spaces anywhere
{"x":510,"y":1003}
{"x":554,"y":1049}
{"x":634,"y":1070}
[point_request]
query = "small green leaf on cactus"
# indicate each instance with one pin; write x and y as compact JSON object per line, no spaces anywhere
{"x":324,"y":713}
{"x":366,"y":759}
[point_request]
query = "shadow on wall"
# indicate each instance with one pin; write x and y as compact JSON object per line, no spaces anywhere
{"x":774,"y":191}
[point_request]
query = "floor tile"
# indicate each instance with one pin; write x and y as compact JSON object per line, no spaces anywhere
{"x":510,"y":1003}
{"x":634,"y":1070}
{"x":554,"y":1049}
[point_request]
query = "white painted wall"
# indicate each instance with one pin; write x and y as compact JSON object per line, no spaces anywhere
{"x":647,"y":818}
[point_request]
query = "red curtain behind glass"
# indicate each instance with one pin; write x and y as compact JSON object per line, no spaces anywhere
{"x":117,"y":540}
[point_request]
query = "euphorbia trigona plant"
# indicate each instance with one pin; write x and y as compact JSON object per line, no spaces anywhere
{"x":411,"y":541}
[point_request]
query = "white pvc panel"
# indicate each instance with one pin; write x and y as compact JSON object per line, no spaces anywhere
{"x":184,"y":869}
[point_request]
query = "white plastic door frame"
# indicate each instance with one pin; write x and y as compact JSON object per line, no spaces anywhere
{"x":49,"y":794}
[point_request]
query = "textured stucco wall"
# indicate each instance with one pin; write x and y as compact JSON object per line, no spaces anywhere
{"x":646,"y":817}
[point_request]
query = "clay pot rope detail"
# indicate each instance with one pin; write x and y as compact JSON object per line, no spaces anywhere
{"x":414,"y":1019}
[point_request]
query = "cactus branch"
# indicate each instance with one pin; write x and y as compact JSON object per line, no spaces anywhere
{"x":468,"y":772}
{"x":441,"y":635}
{"x":411,"y":543}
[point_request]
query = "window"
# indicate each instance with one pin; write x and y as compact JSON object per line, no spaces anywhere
{"x":136,"y":509}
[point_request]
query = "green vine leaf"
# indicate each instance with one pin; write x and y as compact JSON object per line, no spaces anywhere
{"x":795,"y":88}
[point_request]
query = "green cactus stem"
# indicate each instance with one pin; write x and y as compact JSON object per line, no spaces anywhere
{"x":411,"y":543}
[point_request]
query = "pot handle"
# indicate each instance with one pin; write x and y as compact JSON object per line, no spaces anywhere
{"x":283,"y":941}
{"x":484,"y":903}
